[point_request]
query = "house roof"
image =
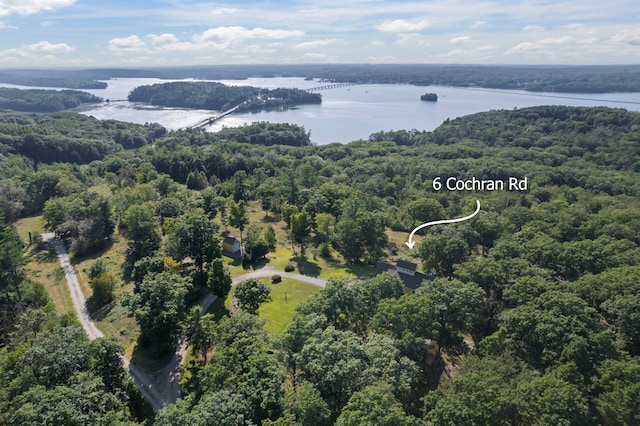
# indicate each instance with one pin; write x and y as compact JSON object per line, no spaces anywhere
{"x":230,"y":239}
{"x":409,"y":281}
{"x":406,"y":265}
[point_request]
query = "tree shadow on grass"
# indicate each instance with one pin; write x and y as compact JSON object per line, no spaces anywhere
{"x":94,"y":254}
{"x":270,"y":219}
{"x":98,"y":310}
{"x":359,"y":270}
{"x":45,"y":255}
{"x":306,"y":267}
{"x":218,"y":310}
{"x":258,"y":264}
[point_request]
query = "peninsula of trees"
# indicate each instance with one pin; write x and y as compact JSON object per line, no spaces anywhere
{"x":531,"y":318}
{"x":36,"y":78}
{"x":220,"y":97}
{"x":39,"y":100}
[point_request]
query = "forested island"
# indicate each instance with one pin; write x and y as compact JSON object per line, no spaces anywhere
{"x":220,"y":97}
{"x":543,"y":78}
{"x":39,"y":100}
{"x":531,"y":316}
{"x":429,"y":97}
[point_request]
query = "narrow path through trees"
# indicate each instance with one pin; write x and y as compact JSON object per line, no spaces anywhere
{"x":144,"y":382}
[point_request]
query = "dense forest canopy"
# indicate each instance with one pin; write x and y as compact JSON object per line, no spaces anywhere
{"x":531,"y":318}
{"x":220,"y":97}
{"x":572,"y":79}
{"x":38,"y":100}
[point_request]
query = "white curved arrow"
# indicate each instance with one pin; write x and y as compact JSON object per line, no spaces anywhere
{"x":411,"y":243}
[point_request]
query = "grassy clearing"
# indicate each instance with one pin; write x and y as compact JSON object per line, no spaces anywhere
{"x":285,"y":296}
{"x":334,"y":267}
{"x":319,"y":267}
{"x":112,"y":319}
{"x":31,"y":224}
{"x":399,"y":250}
{"x":43,"y":266}
{"x":113,"y":256}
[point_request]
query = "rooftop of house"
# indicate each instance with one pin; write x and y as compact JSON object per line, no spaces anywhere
{"x":406,"y":271}
{"x":229,"y":239}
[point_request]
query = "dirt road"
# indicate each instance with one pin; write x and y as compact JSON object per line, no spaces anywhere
{"x":268,"y":271}
{"x":144,"y":382}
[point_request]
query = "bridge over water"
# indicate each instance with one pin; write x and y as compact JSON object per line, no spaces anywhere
{"x":210,"y":120}
{"x":331,"y":86}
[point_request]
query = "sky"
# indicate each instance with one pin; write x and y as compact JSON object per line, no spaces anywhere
{"x":118,"y":33}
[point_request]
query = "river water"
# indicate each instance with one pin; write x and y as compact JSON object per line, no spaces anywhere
{"x":348,"y":113}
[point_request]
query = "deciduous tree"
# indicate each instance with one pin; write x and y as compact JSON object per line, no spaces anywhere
{"x":251,"y":293}
{"x":194,"y":236}
{"x":160,"y":308}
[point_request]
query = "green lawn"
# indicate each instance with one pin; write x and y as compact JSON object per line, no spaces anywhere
{"x":319,"y":267}
{"x":285,"y":296}
{"x":29,"y":224}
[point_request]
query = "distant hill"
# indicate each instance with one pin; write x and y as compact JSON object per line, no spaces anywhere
{"x":27,"y":79}
{"x":537,"y":78}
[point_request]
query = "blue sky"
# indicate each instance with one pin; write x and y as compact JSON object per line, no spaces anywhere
{"x":97,"y":33}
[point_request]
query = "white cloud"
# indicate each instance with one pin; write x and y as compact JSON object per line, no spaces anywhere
{"x":237,"y":33}
{"x":39,"y":50}
{"x":222,"y":39}
{"x":573,"y":26}
{"x":225,"y":11}
{"x":482,"y":53}
{"x":526,"y":46}
{"x":478,"y":24}
{"x":162,"y":38}
{"x":631,"y":36}
{"x":556,"y":41}
{"x":254,"y":48}
{"x":460,"y":40}
{"x":533,"y":28}
{"x":403,"y":25}
{"x":46,"y":48}
{"x":311,"y":55}
{"x":416,"y":39}
{"x":187,"y":46}
{"x":29,"y":7}
{"x":381,"y":59}
{"x":317,"y":43}
{"x":133,"y":43}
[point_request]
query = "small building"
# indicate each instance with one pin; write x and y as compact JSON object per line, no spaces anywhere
{"x":406,"y":271}
{"x":231,"y":246}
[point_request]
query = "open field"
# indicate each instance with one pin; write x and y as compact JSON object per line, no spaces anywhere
{"x":285,"y":296}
